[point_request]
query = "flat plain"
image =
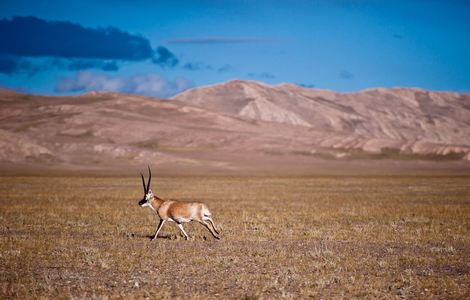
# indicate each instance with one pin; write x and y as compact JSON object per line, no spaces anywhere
{"x":282,"y":237}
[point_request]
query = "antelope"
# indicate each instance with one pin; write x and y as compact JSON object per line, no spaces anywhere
{"x":177,"y":211}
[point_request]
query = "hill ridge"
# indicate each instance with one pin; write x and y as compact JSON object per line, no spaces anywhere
{"x":234,"y":125}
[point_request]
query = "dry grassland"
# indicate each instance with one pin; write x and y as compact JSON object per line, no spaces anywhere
{"x":320,"y":237}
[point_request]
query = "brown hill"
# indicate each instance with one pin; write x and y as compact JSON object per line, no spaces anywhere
{"x":237,"y":127}
{"x":408,"y":121}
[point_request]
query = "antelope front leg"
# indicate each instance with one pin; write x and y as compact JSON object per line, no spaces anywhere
{"x":160,"y":225}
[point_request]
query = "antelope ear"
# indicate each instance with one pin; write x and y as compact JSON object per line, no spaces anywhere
{"x":150,"y":192}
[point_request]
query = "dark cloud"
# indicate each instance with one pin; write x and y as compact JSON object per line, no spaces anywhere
{"x":8,"y":65}
{"x":225,"y":68}
{"x":165,"y":58}
{"x":306,"y":85}
{"x":263,"y":75}
{"x":73,"y":46}
{"x":76,"y":65}
{"x":345,"y":74}
{"x":219,"y":40}
{"x":11,"y":65}
{"x":197,"y":66}
{"x":34,"y":37}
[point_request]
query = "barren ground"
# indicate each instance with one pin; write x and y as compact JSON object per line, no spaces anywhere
{"x":289,"y":237}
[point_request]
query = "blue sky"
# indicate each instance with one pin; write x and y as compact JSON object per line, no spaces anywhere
{"x":160,"y":48}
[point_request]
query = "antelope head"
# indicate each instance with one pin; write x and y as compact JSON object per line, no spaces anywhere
{"x":148,"y":195}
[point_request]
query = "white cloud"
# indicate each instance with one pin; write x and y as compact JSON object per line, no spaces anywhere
{"x":145,"y":84}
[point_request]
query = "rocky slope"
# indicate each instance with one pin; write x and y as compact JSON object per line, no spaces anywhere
{"x":407,"y":121}
{"x":233,"y":126}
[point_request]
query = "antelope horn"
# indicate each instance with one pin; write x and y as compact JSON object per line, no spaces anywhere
{"x":143,"y":182}
{"x":150,"y":178}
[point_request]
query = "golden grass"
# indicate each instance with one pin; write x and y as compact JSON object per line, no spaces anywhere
{"x":321,"y":237}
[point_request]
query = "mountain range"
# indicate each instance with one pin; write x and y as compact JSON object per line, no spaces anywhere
{"x":237,"y":127}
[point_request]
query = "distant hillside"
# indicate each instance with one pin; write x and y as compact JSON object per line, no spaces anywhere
{"x":238,"y":126}
{"x":406,"y":121}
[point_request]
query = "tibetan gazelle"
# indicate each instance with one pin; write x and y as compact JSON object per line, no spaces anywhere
{"x":177,"y":211}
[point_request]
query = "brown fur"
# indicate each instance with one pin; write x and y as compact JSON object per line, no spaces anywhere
{"x":182,"y":212}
